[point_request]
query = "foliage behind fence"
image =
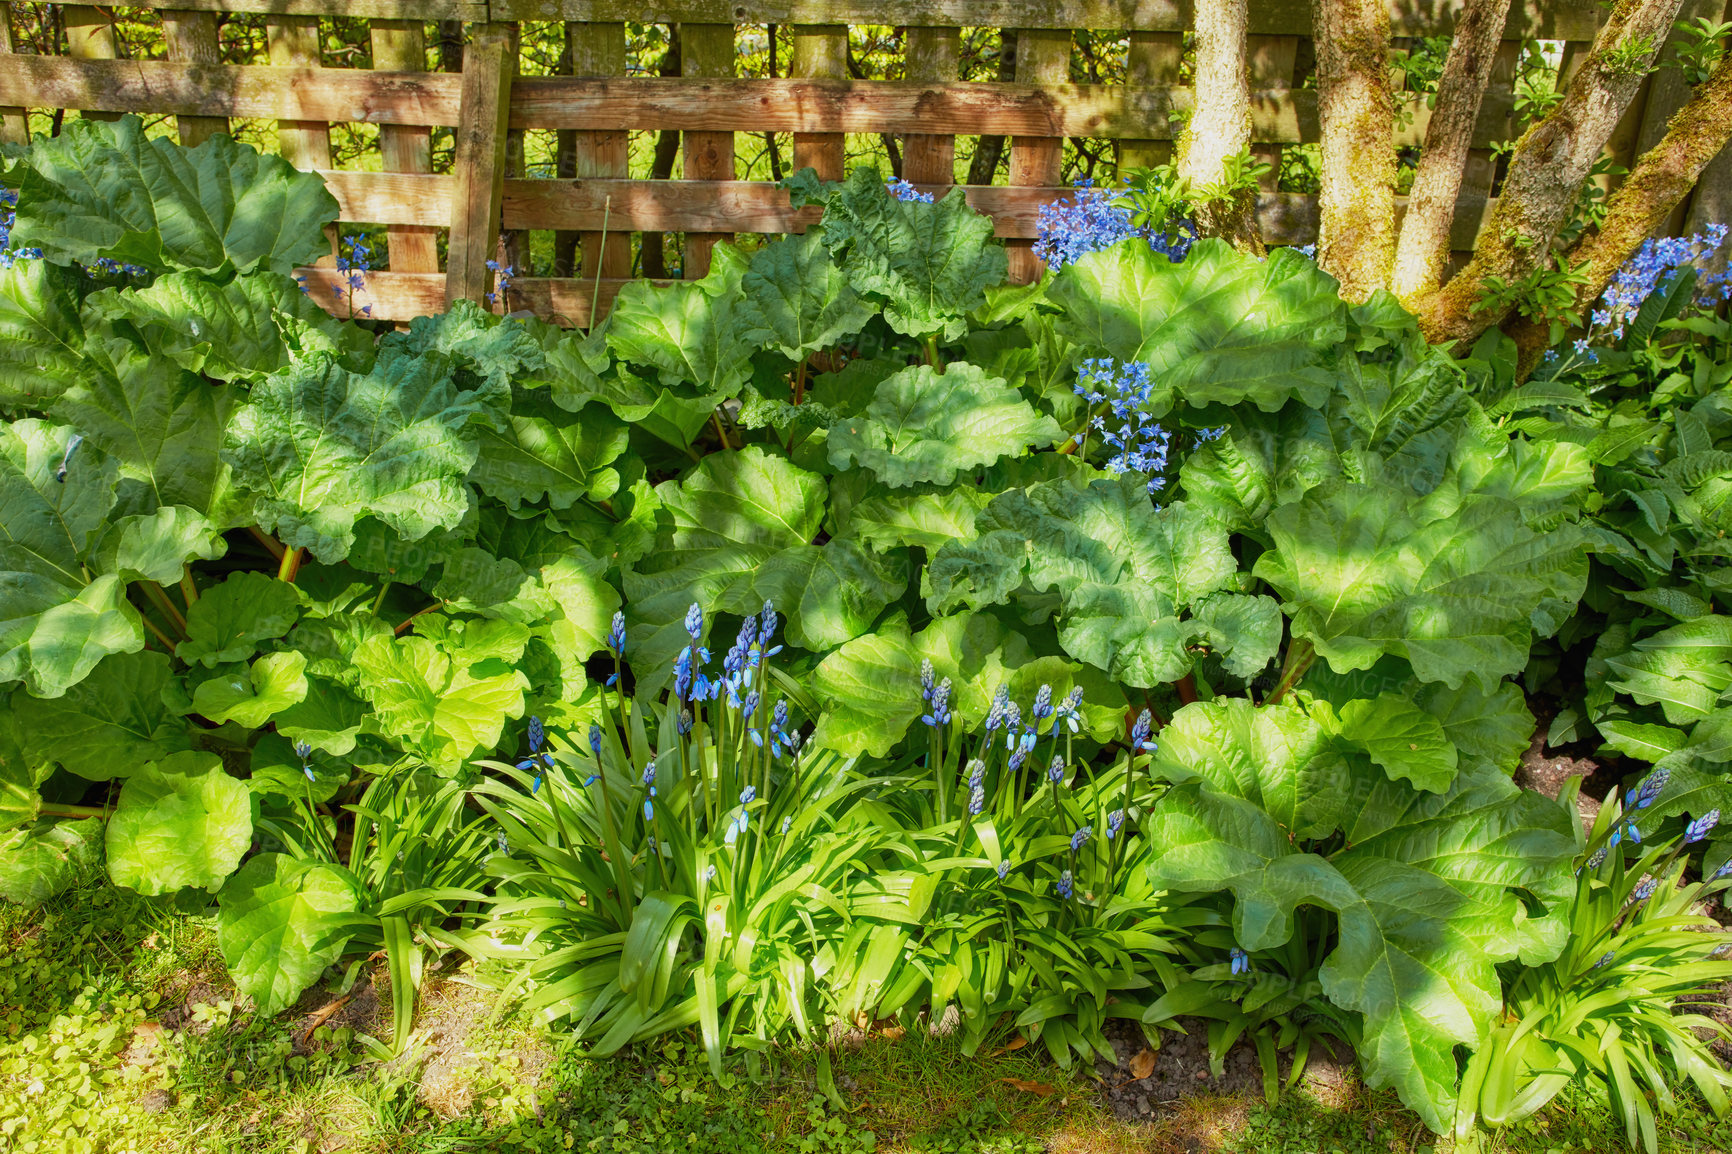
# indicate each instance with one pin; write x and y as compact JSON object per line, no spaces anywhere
{"x":488,"y":89}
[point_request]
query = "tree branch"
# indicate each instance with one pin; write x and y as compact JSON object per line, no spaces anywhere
{"x":1424,"y":246}
{"x":1550,"y":163}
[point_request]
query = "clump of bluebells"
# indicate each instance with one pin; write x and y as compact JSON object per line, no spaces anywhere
{"x":1091,"y":220}
{"x":1139,"y":444}
{"x":9,"y":213}
{"x":353,"y":265}
{"x":902,"y":190}
{"x":1656,"y":265}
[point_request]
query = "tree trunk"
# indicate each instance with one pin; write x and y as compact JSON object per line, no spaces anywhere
{"x":1550,"y":163}
{"x":1424,"y":247}
{"x":1661,"y":179}
{"x":1356,"y":105}
{"x":989,"y":150}
{"x":1220,"y":125}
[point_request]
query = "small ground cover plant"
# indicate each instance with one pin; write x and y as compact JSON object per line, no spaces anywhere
{"x":1155,"y":641}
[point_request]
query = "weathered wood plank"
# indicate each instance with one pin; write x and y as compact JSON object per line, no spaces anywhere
{"x":933,"y":54}
{"x":706,"y":50}
{"x":1042,"y":58}
{"x":600,"y":50}
{"x":401,"y":46}
{"x":1542,"y":19}
{"x":1153,"y":60}
{"x":360,"y":9}
{"x":1284,"y":116}
{"x":294,"y":43}
{"x":393,"y":296}
{"x":192,"y":43}
{"x":165,"y":86}
{"x":89,"y":36}
{"x":479,"y":166}
{"x":1270,"y":60}
{"x":14,"y":124}
{"x":820,"y":53}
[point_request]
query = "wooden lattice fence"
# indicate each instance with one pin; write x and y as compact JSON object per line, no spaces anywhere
{"x":482,"y":203}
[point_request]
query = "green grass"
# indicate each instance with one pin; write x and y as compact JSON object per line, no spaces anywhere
{"x":119,"y":1033}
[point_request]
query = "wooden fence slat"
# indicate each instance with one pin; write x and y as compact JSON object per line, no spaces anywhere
{"x":90,"y":36}
{"x":512,"y":250}
{"x":599,"y":50}
{"x":1271,"y":60}
{"x":401,"y":46}
{"x":1152,"y":60}
{"x":933,"y":54}
{"x":489,"y":63}
{"x":254,"y":90}
{"x":473,"y":10}
{"x":1667,"y":92}
{"x":705,"y":50}
{"x":1042,"y":58}
{"x":1537,"y":19}
{"x":820,"y":53}
{"x":14,"y":123}
{"x":192,"y":42}
{"x":294,"y":43}
{"x":802,"y":106}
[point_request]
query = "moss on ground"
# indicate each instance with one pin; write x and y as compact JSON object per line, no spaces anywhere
{"x":119,"y":1033}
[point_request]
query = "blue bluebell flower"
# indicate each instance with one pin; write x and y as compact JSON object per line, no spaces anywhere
{"x":786,"y":822}
{"x":504,"y":844}
{"x":1605,"y":960}
{"x":695,"y":622}
{"x":595,"y":739}
{"x":1070,"y":710}
{"x":1139,"y":443}
{"x":1065,"y":884}
{"x":1081,"y":837}
{"x":1644,"y":890}
{"x":1140,"y":741}
{"x":710,"y":874}
{"x":940,"y":714}
{"x":616,"y":635}
{"x":1011,"y":719}
{"x":976,"y":774}
{"x":1114,"y":820}
{"x":649,"y":807}
{"x":1000,"y":705}
{"x":1724,"y":870}
{"x":1647,"y":792}
{"x":926,"y":679}
{"x":304,"y":751}
{"x":1042,"y":704}
{"x":1055,"y":771}
{"x":1655,"y":266}
{"x":649,"y":773}
{"x":1003,"y":870}
{"x":1241,"y":961}
{"x":750,"y":706}
{"x":683,"y":674}
{"x":1598,"y":859}
{"x":503,"y":276}
{"x":1701,"y":827}
{"x":1068,"y":229}
{"x":748,"y":795}
{"x":976,"y":801}
{"x":902,"y":190}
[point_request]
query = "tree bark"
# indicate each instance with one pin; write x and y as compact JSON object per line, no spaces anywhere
{"x":1661,"y":179}
{"x":1356,"y":105}
{"x":1220,"y":125}
{"x":1423,"y":250}
{"x":1550,"y":163}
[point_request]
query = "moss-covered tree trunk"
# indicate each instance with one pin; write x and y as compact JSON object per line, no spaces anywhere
{"x":1661,"y":179}
{"x":1220,"y":125}
{"x":1550,"y":163}
{"x":1423,"y":249}
{"x":1356,"y":201}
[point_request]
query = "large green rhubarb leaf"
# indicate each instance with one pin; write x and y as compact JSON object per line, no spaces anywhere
{"x":929,"y":264}
{"x":1128,"y":576}
{"x":801,"y":297}
{"x":542,"y":450}
{"x":110,"y":724}
{"x":163,"y":423}
{"x":41,"y":339}
{"x":699,"y":337}
{"x":1685,"y":669}
{"x":320,"y":446}
{"x":927,"y":426}
{"x":229,"y":620}
{"x":103,"y":189}
{"x":1431,"y":889}
{"x":446,"y":691}
{"x":279,"y":926}
{"x":243,"y":328}
{"x":272,"y":684}
{"x":719,"y":527}
{"x":1219,"y":327}
{"x":45,"y":857}
{"x":180,"y":822}
{"x":1458,"y":590}
{"x":55,"y":622}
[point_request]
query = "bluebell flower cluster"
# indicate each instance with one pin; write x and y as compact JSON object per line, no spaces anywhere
{"x":502,"y":278}
{"x":1081,"y":837}
{"x":9,"y":204}
{"x":902,"y":190}
{"x":1241,"y":961}
{"x":539,"y":759}
{"x":352,"y":263}
{"x":1701,"y":827}
{"x":1066,"y":884}
{"x":1055,"y":771}
{"x":1141,"y":742}
{"x":1068,"y":229}
{"x":304,"y":751}
{"x":1655,"y":266}
{"x":109,"y":267}
{"x":1138,"y":442}
{"x":1114,"y":820}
